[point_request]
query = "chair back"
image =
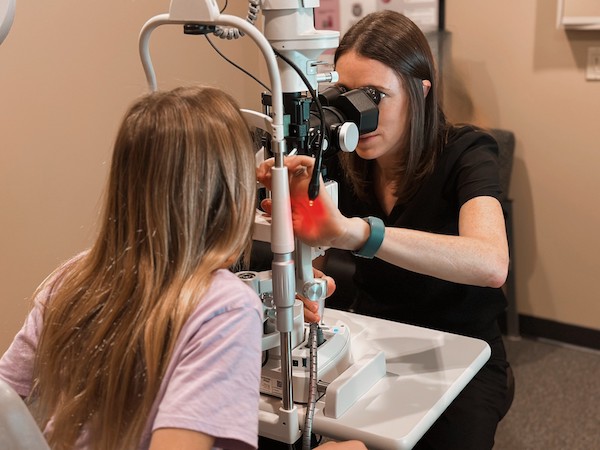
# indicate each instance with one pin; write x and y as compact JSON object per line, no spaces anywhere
{"x":18,"y":430}
{"x":506,"y":152}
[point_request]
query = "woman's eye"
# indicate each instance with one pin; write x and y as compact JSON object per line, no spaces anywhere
{"x":374,"y":93}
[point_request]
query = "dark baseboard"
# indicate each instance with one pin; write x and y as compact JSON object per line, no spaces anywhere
{"x":548,"y":329}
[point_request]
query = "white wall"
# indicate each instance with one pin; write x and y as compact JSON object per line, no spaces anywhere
{"x":512,"y":68}
{"x":68,"y":70}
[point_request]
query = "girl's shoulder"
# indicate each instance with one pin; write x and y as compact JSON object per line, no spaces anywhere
{"x":227,"y":292}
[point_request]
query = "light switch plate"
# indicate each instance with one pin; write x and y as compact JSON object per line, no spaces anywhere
{"x":593,"y":64}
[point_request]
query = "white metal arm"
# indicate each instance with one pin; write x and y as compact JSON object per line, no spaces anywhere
{"x":7,"y":15}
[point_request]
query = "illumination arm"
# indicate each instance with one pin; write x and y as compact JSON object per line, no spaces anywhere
{"x":7,"y":15}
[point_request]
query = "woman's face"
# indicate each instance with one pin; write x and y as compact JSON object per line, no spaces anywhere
{"x":386,"y":141}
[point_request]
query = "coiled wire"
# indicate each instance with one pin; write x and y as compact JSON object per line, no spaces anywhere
{"x":312,"y":392}
{"x":232,"y":32}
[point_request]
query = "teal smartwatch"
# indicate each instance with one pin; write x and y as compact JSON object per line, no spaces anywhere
{"x":375,"y":238}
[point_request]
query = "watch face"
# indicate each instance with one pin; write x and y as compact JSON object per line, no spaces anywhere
{"x":7,"y":14}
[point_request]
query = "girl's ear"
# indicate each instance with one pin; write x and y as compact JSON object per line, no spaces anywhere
{"x":426,"y":87}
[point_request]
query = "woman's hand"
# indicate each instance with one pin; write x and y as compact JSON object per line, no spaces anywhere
{"x":316,"y":223}
{"x":311,"y":308}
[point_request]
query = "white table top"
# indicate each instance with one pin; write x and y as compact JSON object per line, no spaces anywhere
{"x":425,"y":370}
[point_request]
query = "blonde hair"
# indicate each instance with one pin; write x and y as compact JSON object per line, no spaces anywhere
{"x":179,"y":205}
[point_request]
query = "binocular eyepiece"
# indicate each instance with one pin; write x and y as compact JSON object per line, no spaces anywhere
{"x":333,"y":123}
{"x":346,"y":115}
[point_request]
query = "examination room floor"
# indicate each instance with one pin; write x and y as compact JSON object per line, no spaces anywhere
{"x":557,"y":398}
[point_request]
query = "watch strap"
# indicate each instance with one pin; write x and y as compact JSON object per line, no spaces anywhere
{"x":375,"y":239}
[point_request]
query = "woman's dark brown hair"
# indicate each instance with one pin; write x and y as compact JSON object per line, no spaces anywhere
{"x":394,"y":40}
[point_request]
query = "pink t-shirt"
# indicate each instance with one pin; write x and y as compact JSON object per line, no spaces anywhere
{"x":211,"y":384}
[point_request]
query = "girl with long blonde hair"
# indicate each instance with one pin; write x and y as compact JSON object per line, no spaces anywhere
{"x":146,"y":340}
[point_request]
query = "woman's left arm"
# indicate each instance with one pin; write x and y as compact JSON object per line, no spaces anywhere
{"x":477,"y":256}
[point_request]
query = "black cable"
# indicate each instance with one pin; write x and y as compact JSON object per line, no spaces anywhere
{"x":313,"y":187}
{"x":235,"y":65}
{"x":224,"y":7}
